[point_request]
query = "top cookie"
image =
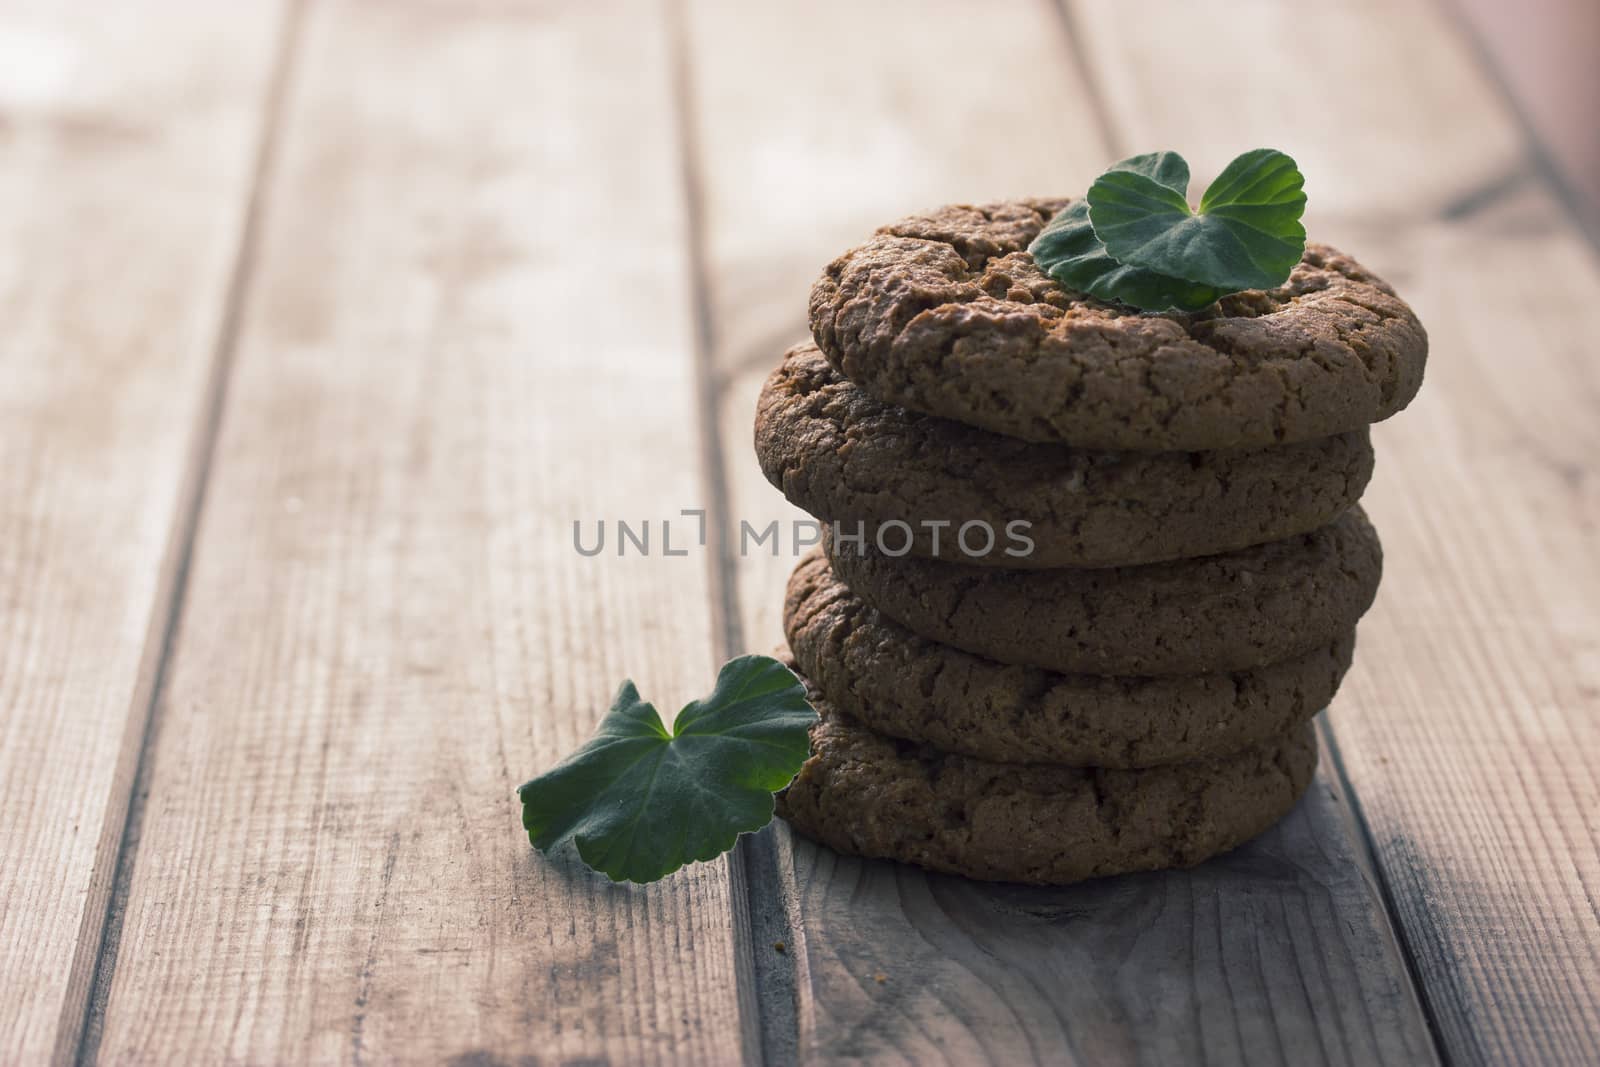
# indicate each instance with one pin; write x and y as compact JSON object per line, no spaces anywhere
{"x":947,"y":314}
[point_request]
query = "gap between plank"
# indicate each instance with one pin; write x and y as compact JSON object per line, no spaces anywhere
{"x":1367,"y":849}
{"x":768,"y":979}
{"x":87,"y":1031}
{"x":1584,"y":220}
{"x":1082,"y":63}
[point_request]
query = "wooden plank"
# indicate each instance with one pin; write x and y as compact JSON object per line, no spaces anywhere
{"x":1275,"y":953}
{"x":127,"y":141}
{"x":1470,"y":720}
{"x":469,"y":326}
{"x":1385,"y":113}
{"x":849,"y":130}
{"x":1474,"y":717}
{"x":1278,"y":953}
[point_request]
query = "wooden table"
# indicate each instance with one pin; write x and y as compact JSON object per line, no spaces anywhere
{"x":320,"y":323}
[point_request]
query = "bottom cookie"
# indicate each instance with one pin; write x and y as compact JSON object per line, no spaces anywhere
{"x":868,"y":795}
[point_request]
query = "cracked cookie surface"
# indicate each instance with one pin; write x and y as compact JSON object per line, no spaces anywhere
{"x":864,"y":794}
{"x":946,"y":313}
{"x":840,"y":454}
{"x":1235,"y":611}
{"x":896,"y":683}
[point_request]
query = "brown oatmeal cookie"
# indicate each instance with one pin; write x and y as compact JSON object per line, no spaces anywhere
{"x":842,"y":455}
{"x":868,"y":795}
{"x":946,"y":313}
{"x":1231,"y":612}
{"x":897,"y":683}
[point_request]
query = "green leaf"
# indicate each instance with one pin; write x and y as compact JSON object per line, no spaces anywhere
{"x":1068,"y":250}
{"x":640,"y":802}
{"x":1164,"y":168}
{"x":1246,"y":235}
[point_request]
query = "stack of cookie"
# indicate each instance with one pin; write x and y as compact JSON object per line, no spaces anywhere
{"x":1088,"y":573}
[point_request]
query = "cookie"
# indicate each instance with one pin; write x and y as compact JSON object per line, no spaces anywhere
{"x":842,"y":455}
{"x":864,"y":794}
{"x":1231,"y":612}
{"x":946,"y":313}
{"x":894,"y":682}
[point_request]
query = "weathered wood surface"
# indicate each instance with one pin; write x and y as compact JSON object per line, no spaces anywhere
{"x":460,"y":333}
{"x":1470,"y":724}
{"x":1279,"y":953}
{"x":127,"y":144}
{"x":514,"y":264}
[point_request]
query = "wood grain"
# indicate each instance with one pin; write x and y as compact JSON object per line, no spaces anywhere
{"x":1278,"y":953}
{"x":127,"y":140}
{"x":813,"y":129}
{"x":443,"y":360}
{"x":463,"y":334}
{"x":1386,"y":114}
{"x":1474,"y":716}
{"x":1469,"y":724}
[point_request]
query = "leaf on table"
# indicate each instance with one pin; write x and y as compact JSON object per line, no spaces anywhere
{"x":640,"y":802}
